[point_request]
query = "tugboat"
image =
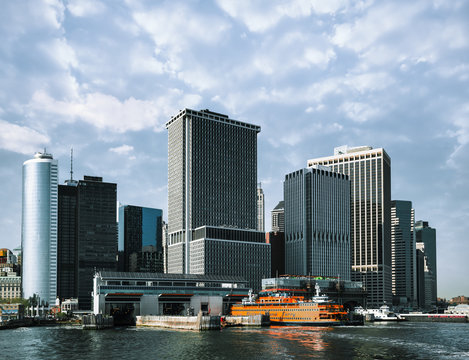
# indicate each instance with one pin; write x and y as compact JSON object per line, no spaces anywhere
{"x":289,"y":307}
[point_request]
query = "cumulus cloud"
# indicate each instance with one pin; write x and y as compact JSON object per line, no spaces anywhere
{"x":21,"y":139}
{"x":359,"y":112}
{"x":81,"y":8}
{"x":103,"y":111}
{"x":260,"y":16}
{"x":123,"y":149}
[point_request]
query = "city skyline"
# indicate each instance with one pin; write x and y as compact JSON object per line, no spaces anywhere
{"x":105,"y":79}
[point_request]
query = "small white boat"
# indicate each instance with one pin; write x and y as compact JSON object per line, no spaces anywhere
{"x":381,"y":314}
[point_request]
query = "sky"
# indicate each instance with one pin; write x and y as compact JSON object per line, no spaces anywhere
{"x":104,"y":77}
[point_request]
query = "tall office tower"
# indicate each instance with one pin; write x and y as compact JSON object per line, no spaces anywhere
{"x":317,"y":222}
{"x":369,"y":171}
{"x":87,"y":236}
{"x":278,"y":217}
{"x":165,"y":247}
{"x":260,"y":208}
{"x":67,"y":241}
{"x":140,"y":238}
{"x":97,"y":233}
{"x":427,"y":235}
{"x":420,"y":274}
{"x":212,"y":177}
{"x":39,"y":228}
{"x":425,"y":280}
{"x":404,"y":283}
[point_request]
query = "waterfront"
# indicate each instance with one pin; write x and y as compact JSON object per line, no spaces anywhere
{"x":374,"y":341}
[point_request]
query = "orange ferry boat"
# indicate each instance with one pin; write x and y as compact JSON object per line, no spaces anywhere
{"x":289,"y":307}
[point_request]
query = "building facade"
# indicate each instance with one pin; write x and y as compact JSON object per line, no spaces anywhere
{"x":87,"y":236}
{"x":427,"y":235}
{"x":10,"y":284}
{"x":369,"y":171}
{"x":39,"y":227}
{"x":403,"y":255}
{"x":317,"y":223}
{"x":67,"y":241}
{"x":260,"y":209}
{"x":212,"y":182}
{"x":278,"y":217}
{"x":97,"y":233}
{"x":141,"y":238}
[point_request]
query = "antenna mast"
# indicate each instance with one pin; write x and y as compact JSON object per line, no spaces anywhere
{"x":71,"y":163}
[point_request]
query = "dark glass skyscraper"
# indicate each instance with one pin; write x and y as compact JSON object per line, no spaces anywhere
{"x":427,"y":235}
{"x":140,"y":238}
{"x":67,"y":241}
{"x":317,"y":223}
{"x":88,"y":240}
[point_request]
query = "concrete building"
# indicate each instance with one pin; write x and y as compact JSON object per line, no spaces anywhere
{"x":165,"y":294}
{"x":10,"y":284}
{"x":212,"y":183}
{"x":230,"y":252}
{"x":260,"y":209}
{"x":278,"y":217}
{"x":427,"y":235}
{"x":141,"y":238}
{"x":369,"y":171}
{"x":403,"y":255}
{"x":317,"y":223}
{"x":39,"y":227}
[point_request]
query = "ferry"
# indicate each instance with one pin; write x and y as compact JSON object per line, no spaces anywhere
{"x":289,"y":307}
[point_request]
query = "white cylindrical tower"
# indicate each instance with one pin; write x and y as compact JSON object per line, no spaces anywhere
{"x":39,"y":227}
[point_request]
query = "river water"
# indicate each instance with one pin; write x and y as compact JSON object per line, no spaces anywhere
{"x":374,"y":341}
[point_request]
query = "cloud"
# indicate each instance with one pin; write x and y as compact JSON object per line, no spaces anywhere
{"x":260,"y":16}
{"x":60,"y":52}
{"x":81,"y":8}
{"x":461,"y":134}
{"x":359,"y":112}
{"x":107,"y":112}
{"x":123,"y":149}
{"x":21,"y":139}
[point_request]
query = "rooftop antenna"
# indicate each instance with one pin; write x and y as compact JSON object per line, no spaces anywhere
{"x":71,"y":163}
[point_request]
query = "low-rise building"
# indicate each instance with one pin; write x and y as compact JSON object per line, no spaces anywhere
{"x":11,"y":311}
{"x":10,"y":285}
{"x":165,"y":294}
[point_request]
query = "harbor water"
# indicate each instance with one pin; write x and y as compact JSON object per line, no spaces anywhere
{"x":404,"y":340}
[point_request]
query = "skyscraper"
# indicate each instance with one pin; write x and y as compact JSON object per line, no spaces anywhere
{"x":427,"y":235}
{"x":140,"y":238}
{"x":278,"y":217}
{"x":87,"y":235}
{"x":403,"y":254}
{"x":212,"y":182}
{"x":39,"y":227}
{"x":97,"y":233}
{"x":67,"y":241}
{"x":317,"y":222}
{"x":369,"y":171}
{"x":260,"y":209}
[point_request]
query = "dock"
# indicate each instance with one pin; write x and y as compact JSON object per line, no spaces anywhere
{"x":435,"y":318}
